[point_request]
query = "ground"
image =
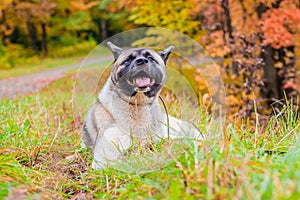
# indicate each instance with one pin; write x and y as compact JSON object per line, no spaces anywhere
{"x":14,"y":87}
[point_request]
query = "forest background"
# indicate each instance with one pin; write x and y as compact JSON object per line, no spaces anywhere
{"x":258,"y":41}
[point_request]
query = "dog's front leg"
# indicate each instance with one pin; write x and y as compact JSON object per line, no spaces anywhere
{"x":182,"y":129}
{"x":109,"y":147}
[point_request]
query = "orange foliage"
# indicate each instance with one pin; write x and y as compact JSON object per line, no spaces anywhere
{"x":281,"y":26}
{"x":83,"y":6}
{"x":236,"y":30}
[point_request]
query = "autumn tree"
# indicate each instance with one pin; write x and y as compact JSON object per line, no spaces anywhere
{"x":6,"y":25}
{"x":258,"y":40}
{"x":275,"y":22}
{"x":35,"y":14}
{"x":280,"y":26}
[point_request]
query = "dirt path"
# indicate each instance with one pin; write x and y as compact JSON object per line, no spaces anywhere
{"x":27,"y":84}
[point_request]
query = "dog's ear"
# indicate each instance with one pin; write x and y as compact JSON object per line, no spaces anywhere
{"x":115,"y":50}
{"x":164,"y":54}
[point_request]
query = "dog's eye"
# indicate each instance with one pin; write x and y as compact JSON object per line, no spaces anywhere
{"x":127,"y":61}
{"x":150,"y":57}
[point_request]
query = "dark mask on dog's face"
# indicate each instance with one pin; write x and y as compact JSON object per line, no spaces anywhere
{"x":138,"y":74}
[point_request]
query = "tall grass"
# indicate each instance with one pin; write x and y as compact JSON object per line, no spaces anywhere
{"x":41,"y":158}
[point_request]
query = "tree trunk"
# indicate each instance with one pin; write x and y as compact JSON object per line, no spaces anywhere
{"x":271,"y":80}
{"x":244,"y":11}
{"x":3,"y":23}
{"x":32,"y":36}
{"x":225,"y":6}
{"x":44,"y":40}
{"x":229,"y":30}
{"x":103,"y":29}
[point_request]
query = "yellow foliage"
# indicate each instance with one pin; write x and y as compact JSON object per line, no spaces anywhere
{"x":170,"y":14}
{"x":3,"y":5}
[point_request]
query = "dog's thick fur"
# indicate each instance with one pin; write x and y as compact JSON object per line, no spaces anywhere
{"x":128,"y":107}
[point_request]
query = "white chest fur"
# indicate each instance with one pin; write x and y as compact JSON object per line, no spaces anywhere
{"x":141,"y":121}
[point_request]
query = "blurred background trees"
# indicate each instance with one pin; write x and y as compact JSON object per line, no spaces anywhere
{"x":258,"y":41}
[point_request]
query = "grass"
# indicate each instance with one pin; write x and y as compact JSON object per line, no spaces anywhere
{"x":41,"y":157}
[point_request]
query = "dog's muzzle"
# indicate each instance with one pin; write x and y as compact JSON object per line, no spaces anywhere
{"x":141,"y":76}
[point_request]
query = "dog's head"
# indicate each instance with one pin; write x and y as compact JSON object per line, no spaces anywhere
{"x":138,"y":74}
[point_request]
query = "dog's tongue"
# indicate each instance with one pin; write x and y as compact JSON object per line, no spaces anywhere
{"x":143,"y":82}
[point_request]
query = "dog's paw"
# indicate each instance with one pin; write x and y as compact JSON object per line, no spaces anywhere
{"x":83,"y":146}
{"x":195,"y":133}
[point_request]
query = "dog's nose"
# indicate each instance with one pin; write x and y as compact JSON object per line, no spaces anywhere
{"x":141,"y":61}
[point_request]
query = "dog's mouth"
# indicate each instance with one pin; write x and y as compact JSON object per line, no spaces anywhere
{"x":146,"y":82}
{"x":141,"y":80}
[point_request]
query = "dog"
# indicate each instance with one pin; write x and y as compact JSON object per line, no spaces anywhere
{"x":128,"y":106}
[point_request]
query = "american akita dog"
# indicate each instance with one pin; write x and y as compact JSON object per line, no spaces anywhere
{"x":128,"y":106}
